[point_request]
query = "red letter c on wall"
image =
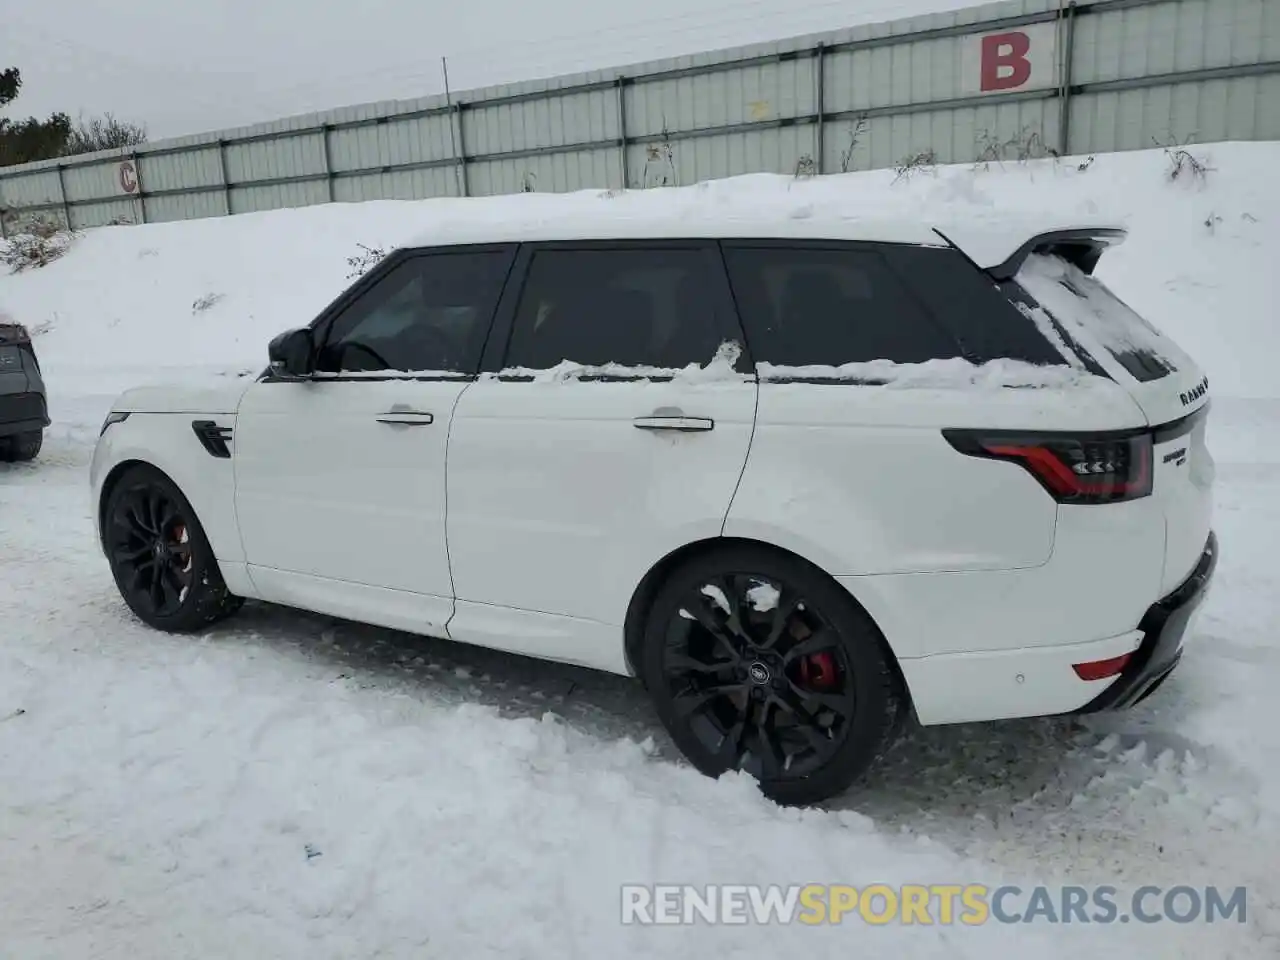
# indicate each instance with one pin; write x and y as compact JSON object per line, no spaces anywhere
{"x":1004,"y":61}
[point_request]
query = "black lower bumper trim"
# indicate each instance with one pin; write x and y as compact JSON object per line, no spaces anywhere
{"x":22,"y":412}
{"x":1163,"y":627}
{"x":21,"y":426}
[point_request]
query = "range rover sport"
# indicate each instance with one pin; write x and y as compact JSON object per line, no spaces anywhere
{"x":804,"y":479}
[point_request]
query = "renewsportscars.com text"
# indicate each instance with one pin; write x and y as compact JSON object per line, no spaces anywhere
{"x":928,"y":904}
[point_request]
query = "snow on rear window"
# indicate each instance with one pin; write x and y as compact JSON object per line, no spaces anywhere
{"x":1084,"y":304}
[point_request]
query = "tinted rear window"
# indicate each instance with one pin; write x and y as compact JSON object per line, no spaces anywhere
{"x":823,"y":306}
{"x":971,"y":306}
{"x":830,"y":305}
{"x":633,"y":307}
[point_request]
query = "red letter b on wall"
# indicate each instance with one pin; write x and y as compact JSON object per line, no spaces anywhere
{"x":1004,"y":61}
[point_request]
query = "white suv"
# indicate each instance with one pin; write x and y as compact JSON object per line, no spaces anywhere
{"x":803,"y":478}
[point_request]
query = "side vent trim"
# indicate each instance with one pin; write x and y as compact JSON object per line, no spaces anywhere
{"x":213,"y":438}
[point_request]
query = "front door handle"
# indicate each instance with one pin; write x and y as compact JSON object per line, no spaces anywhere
{"x":405,"y":418}
{"x":677,"y":422}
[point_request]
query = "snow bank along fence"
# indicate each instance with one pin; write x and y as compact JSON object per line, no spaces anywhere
{"x":1000,"y":81}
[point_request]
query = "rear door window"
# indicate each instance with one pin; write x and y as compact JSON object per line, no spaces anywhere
{"x":632,"y":307}
{"x":1083,"y":303}
{"x":828,"y":306}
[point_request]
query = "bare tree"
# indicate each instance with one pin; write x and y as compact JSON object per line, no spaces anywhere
{"x":103,"y":133}
{"x":856,"y":130}
{"x":924,"y":161}
{"x":657,"y":156}
{"x":1183,"y":164}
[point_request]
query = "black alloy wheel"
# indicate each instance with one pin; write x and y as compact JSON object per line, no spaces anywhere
{"x":159,"y":555}
{"x":767,"y":667}
{"x":150,"y":547}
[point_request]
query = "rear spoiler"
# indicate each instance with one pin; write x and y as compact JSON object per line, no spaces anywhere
{"x":1080,"y":246}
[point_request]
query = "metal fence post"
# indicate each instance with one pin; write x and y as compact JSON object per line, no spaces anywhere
{"x":142,"y":193}
{"x":820,"y":139}
{"x":1064,"y":99}
{"x":459,"y":145}
{"x":222,"y":172}
{"x":62,"y":189}
{"x":328,"y":161}
{"x":462,"y":149}
{"x":622,"y":133}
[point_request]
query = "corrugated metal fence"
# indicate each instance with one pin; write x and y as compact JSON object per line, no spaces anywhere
{"x":1008,"y":79}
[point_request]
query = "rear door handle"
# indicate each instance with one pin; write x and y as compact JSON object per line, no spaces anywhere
{"x":406,"y":418}
{"x":677,"y":422}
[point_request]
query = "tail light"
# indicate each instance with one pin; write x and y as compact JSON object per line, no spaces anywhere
{"x":1076,"y":469}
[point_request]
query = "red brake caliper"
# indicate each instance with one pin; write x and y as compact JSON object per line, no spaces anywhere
{"x":818,"y":671}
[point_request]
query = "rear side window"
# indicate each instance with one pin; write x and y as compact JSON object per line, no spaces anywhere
{"x":1082,"y":302}
{"x":827,"y":306}
{"x":631,"y":307}
{"x":971,"y":307}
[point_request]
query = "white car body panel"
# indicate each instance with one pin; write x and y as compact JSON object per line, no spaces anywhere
{"x":848,"y":476}
{"x":525,"y":514}
{"x":335,"y":504}
{"x":215,"y":396}
{"x":1183,"y":467}
{"x":1007,"y":684}
{"x":167,"y":442}
{"x":559,"y":504}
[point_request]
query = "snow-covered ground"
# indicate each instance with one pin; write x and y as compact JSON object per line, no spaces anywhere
{"x":291,"y":786}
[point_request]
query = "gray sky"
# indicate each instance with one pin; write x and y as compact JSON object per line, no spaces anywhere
{"x":185,"y":66}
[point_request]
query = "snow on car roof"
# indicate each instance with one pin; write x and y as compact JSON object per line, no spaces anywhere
{"x":755,"y":208}
{"x":610,"y":225}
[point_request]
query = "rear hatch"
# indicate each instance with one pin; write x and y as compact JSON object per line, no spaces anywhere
{"x":1169,"y":387}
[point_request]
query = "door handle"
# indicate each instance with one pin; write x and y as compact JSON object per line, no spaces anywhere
{"x":405,"y":418}
{"x":677,"y":422}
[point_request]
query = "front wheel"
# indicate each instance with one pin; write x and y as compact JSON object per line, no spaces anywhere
{"x":757,"y":661}
{"x":159,"y":555}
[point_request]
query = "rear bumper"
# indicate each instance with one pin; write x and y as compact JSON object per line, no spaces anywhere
{"x":1163,"y":628}
{"x":979,"y":686}
{"x":22,"y":412}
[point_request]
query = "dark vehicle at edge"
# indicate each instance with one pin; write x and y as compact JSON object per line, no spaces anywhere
{"x":24,"y":411}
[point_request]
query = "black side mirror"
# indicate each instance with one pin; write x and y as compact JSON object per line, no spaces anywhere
{"x":290,"y":353}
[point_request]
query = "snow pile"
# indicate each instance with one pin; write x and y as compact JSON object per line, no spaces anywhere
{"x":155,"y":301}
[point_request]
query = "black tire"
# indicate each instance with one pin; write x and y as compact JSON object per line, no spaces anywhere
{"x":735,"y":691}
{"x":159,"y":555}
{"x":21,"y":446}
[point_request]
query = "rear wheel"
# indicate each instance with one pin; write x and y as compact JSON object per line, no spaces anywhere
{"x":159,"y":555}
{"x":21,"y":446}
{"x":759,"y":662}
